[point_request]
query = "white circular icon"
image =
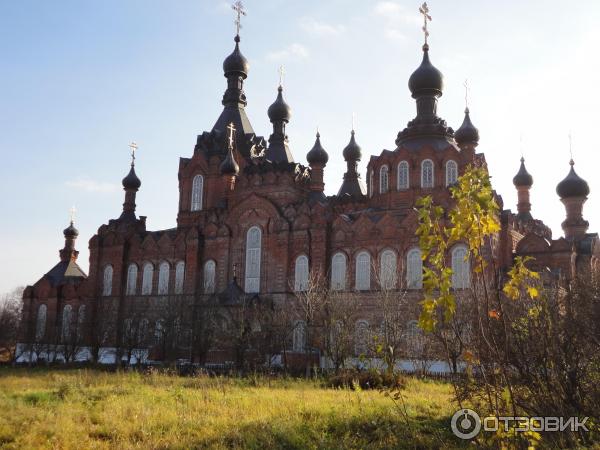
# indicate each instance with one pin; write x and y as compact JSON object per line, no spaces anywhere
{"x":465,"y":424}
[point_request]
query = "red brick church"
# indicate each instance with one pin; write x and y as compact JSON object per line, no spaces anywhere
{"x":253,"y":224}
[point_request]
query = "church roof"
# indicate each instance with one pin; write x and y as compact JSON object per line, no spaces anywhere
{"x":65,"y":272}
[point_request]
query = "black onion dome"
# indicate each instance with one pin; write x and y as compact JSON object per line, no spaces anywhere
{"x":131,"y":181}
{"x":467,"y":131}
{"x":71,"y":231}
{"x":573,"y":185}
{"x":352,"y":151}
{"x":236,"y":63}
{"x":317,"y":154}
{"x":279,"y":110}
{"x":523,"y":178}
{"x":229,"y":166}
{"x":426,"y":80}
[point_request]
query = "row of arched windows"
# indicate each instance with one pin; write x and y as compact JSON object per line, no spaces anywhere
{"x":131,"y":287}
{"x":403,"y":176}
{"x":66,"y":334}
{"x":388,"y":272}
{"x":413,"y":336}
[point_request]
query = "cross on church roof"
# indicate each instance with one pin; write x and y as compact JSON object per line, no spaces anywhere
{"x":466,"y":85}
{"x":231,"y":129}
{"x":424,"y":9}
{"x":72,"y":212}
{"x":571,"y":147}
{"x":238,"y":7}
{"x":133,"y":146}
{"x":281,"y":75}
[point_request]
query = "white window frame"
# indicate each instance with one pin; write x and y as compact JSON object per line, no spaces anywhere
{"x":461,"y":267}
{"x":362,"y":273}
{"x":299,"y":336}
{"x":197,"y":193}
{"x":179,"y":277}
{"x":132,"y":272}
{"x":210,"y":272}
{"x":388,"y":267}
{"x":414,"y":269}
{"x":301,"y":273}
{"x":40,"y":323}
{"x":253,"y":260}
{"x":107,"y":279}
{"x":451,"y":172}
{"x":67,"y":317}
{"x":427,"y":182}
{"x":147,"y":278}
{"x":384,"y":179}
{"x":403,"y":168}
{"x":361,"y":337}
{"x":339,"y":265}
{"x":163,"y":278}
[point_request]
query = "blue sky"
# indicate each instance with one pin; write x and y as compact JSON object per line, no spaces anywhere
{"x":80,"y":79}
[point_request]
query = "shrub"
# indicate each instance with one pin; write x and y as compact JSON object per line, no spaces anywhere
{"x":369,"y":379}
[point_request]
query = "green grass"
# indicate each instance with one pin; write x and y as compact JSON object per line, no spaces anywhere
{"x":93,"y":409}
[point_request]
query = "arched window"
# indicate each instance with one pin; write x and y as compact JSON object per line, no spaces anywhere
{"x":403,"y":182}
{"x":451,"y":173}
{"x":107,"y":281}
{"x":131,"y":279}
{"x":40,"y":324}
{"x":299,"y":336}
{"x":253,"y":255}
{"x":387,"y":270}
{"x":361,"y":337}
{"x":80,"y":322}
{"x":414,"y":338}
{"x":209,"y":277}
{"x":197,"y":192}
{"x":384,"y":179}
{"x":179,"y":277}
{"x":414,"y":269}
{"x":427,"y":174}
{"x":461,"y":271}
{"x":147,"y":276}
{"x":338,"y":271}
{"x":163,"y":278}
{"x":336,"y":335}
{"x":301,"y":273}
{"x":159,"y":331}
{"x":371,"y":175}
{"x":363,"y":271}
{"x":67,"y":316}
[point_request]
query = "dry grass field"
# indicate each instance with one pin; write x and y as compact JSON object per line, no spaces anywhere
{"x":86,"y":408}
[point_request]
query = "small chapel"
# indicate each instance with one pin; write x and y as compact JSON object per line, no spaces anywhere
{"x":254,"y":226}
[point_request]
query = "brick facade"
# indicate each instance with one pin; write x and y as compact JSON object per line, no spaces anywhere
{"x":249,"y":182}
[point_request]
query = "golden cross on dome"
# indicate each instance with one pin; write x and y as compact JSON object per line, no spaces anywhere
{"x":133,"y":146}
{"x":281,"y":75}
{"x":424,"y":9}
{"x":72,"y":212}
{"x":238,"y":7}
{"x":466,"y":85}
{"x":231,"y":129}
